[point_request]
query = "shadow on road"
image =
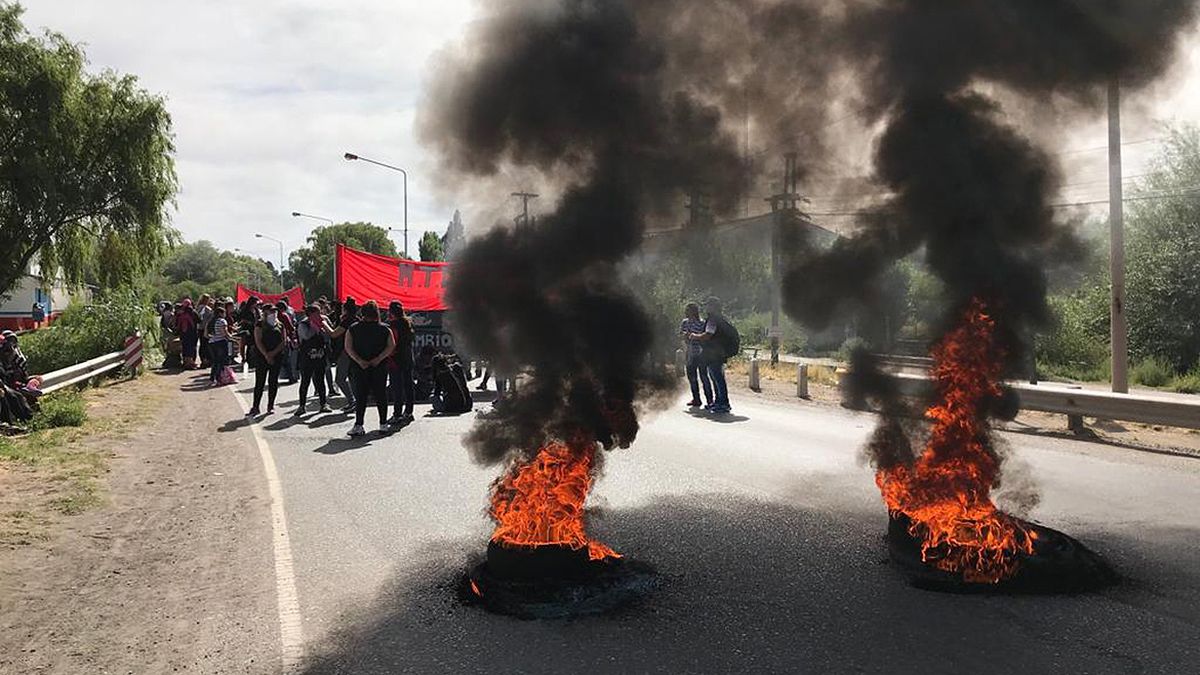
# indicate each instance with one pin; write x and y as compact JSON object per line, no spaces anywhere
{"x":719,"y":418}
{"x":759,"y":587}
{"x":336,"y":446}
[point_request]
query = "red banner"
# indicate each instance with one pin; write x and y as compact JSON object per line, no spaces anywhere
{"x":294,"y":297}
{"x":367,"y":276}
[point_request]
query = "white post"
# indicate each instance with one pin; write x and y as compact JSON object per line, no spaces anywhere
{"x":680,"y":363}
{"x":755,"y":383}
{"x":802,"y":380}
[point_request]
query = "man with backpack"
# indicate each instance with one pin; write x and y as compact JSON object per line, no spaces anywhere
{"x":719,"y":343}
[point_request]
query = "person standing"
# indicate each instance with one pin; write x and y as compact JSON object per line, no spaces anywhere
{"x":312,"y":332}
{"x":718,"y":344}
{"x":287,"y":321}
{"x":38,"y":314}
{"x":401,"y":364}
{"x":204,"y":312}
{"x":187,"y":324}
{"x":697,"y":370}
{"x":217,"y":333}
{"x":348,"y":318}
{"x":269,"y":343}
{"x":369,"y":343}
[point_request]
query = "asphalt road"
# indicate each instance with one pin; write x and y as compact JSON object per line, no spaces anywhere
{"x":767,"y":531}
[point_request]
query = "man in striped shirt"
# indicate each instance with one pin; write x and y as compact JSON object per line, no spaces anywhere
{"x":697,"y":370}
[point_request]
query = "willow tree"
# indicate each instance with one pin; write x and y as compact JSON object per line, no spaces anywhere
{"x":86,"y":164}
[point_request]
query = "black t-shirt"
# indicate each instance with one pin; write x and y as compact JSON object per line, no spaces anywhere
{"x":403,"y":356}
{"x":370,"y":339}
{"x":339,"y":343}
{"x":271,"y":337}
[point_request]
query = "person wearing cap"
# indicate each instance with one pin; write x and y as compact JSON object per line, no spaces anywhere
{"x":312,"y":332}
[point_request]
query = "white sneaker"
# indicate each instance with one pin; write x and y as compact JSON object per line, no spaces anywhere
{"x":357,"y":430}
{"x":385,"y":428}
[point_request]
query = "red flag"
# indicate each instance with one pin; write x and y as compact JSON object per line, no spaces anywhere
{"x":294,"y":296}
{"x":367,"y":276}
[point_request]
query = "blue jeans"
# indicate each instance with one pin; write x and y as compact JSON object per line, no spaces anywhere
{"x":218,"y":352}
{"x":697,"y":373}
{"x":716,"y":372}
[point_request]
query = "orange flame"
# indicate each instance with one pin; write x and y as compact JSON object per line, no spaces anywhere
{"x":540,"y":503}
{"x":946,"y":493}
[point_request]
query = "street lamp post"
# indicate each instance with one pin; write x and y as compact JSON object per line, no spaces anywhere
{"x":297,"y":214}
{"x":350,"y":156}
{"x":263,"y":236}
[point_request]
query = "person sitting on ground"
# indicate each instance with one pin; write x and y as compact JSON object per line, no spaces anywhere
{"x":369,"y":343}
{"x":451,"y":395}
{"x":18,"y":392}
{"x":269,"y":343}
{"x":313,"y":360}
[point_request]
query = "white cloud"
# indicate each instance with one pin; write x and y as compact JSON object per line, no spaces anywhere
{"x":267,"y":95}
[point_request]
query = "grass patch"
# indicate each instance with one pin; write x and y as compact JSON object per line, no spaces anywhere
{"x":57,"y":469}
{"x":1152,"y":373}
{"x":60,"y":409}
{"x":1188,"y":383}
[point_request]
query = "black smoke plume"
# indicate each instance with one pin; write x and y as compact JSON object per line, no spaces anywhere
{"x":967,"y":189}
{"x":580,"y":90}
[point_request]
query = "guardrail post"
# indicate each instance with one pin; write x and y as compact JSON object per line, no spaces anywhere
{"x":1075,"y":425}
{"x":680,"y":362}
{"x":802,"y":380}
{"x":755,"y":382}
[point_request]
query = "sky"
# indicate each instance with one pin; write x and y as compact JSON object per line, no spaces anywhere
{"x":267,"y":95}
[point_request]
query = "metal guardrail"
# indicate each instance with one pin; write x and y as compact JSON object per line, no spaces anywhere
{"x":60,"y":379}
{"x":1051,"y":398}
{"x":130,"y":357}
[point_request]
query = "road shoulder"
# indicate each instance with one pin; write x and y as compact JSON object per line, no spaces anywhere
{"x":173,"y":573}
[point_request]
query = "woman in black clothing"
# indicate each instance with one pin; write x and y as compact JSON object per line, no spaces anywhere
{"x":369,"y":343}
{"x":401,"y":369}
{"x":269,"y":343}
{"x":313,"y":331}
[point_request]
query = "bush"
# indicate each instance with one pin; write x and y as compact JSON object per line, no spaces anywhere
{"x":1188,"y":383}
{"x":1152,"y":372}
{"x":86,"y":331}
{"x":850,"y":346}
{"x":60,"y":409}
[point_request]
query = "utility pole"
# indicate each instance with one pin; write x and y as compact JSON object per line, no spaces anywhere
{"x":525,"y":197}
{"x":1116,"y":221}
{"x":784,"y":202}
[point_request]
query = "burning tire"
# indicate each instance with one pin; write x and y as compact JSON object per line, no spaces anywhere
{"x":554,"y":582}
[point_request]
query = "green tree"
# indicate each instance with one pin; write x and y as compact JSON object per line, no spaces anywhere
{"x":1163,"y":256}
{"x":313,"y":264}
{"x":194,"y":268}
{"x":431,"y":247}
{"x":86,"y":164}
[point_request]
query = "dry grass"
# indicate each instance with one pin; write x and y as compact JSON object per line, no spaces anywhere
{"x":782,"y":372}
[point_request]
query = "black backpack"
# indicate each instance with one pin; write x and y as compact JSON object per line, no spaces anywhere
{"x":729,"y":339}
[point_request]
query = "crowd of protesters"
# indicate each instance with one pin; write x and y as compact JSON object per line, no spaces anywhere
{"x":360,"y":353}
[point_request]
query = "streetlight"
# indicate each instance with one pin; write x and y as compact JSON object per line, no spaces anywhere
{"x":350,"y":157}
{"x":297,"y":214}
{"x":263,"y":236}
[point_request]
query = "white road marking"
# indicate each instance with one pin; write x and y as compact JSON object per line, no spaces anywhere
{"x":291,"y":633}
